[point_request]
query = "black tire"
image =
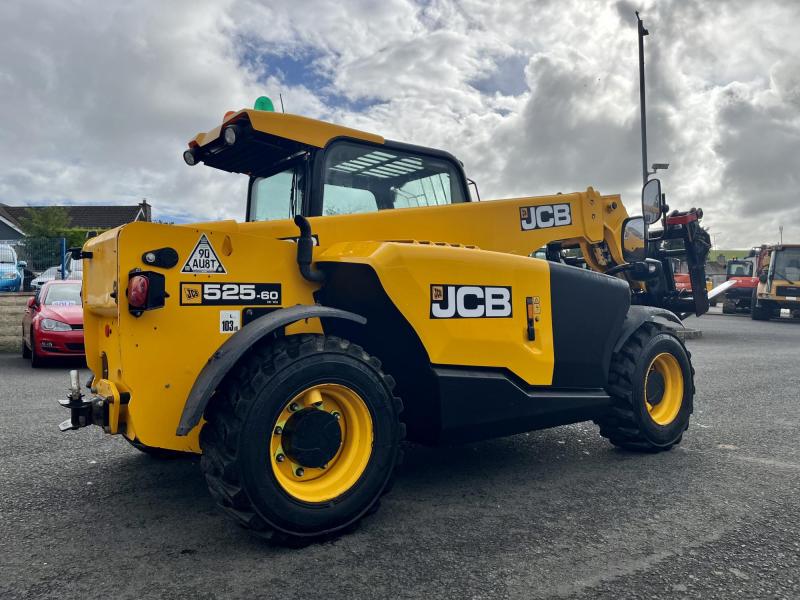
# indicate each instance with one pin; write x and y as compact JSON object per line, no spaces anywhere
{"x":758,"y":312}
{"x":628,"y":424}
{"x":26,"y":352}
{"x":159,"y":453}
{"x":728,"y":308}
{"x":240,"y":421}
{"x":36,"y":360}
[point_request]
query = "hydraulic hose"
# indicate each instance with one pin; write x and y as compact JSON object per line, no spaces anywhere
{"x":305,"y":246}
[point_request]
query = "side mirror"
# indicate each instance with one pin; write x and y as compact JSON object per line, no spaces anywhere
{"x":763,"y":277}
{"x":634,"y":239}
{"x":31,"y":302}
{"x":22,"y":264}
{"x":652,"y":205}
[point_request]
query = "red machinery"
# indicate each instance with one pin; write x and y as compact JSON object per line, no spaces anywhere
{"x":739,"y":296}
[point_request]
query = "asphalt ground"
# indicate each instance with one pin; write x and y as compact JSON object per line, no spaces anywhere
{"x":550,"y":514}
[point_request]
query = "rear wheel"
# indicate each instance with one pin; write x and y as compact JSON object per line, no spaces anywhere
{"x":728,"y":308}
{"x":302,"y":439}
{"x":26,"y":352}
{"x":758,"y":312}
{"x":651,"y":382}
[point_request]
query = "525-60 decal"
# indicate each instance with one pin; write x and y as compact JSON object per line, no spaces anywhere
{"x":228,"y":294}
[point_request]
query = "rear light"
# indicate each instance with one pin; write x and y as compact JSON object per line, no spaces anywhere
{"x":145,"y":291}
{"x":138,"y":287}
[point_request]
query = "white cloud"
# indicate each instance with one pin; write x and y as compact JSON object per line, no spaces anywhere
{"x":535,"y":97}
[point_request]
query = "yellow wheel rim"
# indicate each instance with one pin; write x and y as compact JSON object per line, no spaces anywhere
{"x":666,"y":402}
{"x":312,"y":482}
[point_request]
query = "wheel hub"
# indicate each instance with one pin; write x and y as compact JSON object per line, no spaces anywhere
{"x":664,"y":389}
{"x":312,"y":437}
{"x":655,"y":388}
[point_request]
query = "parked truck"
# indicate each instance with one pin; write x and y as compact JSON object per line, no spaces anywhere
{"x":778,"y":268}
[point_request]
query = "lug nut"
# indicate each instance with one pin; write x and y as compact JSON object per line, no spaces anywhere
{"x":150,"y":257}
{"x":299,"y":472}
{"x":278,"y":430}
{"x":293,"y":407}
{"x":336,"y":415}
{"x":280,"y":458}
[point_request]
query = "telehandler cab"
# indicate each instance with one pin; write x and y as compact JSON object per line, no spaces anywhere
{"x":280,"y":348}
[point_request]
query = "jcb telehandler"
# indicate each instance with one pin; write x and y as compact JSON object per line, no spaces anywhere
{"x":280,"y":348}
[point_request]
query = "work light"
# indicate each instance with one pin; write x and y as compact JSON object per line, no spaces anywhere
{"x":190,"y":158}
{"x":229,"y":135}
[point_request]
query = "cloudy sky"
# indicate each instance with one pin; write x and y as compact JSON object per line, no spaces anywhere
{"x":99,"y":98}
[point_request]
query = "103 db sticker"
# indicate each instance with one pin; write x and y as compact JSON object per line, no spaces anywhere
{"x":229,"y":294}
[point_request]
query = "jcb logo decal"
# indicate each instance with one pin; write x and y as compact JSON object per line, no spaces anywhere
{"x":470,"y":301}
{"x":547,"y":215}
{"x":192,"y":293}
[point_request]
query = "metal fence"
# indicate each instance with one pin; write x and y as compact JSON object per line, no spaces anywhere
{"x":26,"y":263}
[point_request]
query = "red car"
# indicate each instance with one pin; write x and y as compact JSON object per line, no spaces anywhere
{"x":53,"y":323}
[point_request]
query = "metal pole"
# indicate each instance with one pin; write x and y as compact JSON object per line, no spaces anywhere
{"x":63,"y":258}
{"x":642,"y":32}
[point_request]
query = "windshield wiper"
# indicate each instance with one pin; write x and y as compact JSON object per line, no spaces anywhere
{"x":293,"y":194}
{"x":775,"y":273}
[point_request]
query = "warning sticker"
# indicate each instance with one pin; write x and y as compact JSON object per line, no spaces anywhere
{"x":229,"y":321}
{"x":203,"y":259}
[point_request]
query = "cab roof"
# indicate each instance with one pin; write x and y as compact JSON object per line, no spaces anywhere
{"x":266,"y":141}
{"x":306,"y":131}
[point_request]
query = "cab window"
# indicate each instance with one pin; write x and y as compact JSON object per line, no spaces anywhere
{"x":740,"y":269}
{"x":361,"y":178}
{"x":787,"y":264}
{"x":279,"y":196}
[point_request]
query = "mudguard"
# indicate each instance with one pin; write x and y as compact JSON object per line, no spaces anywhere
{"x":237,"y":345}
{"x":638,"y":315}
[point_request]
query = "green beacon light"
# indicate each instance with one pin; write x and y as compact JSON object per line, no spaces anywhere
{"x":264,"y":103}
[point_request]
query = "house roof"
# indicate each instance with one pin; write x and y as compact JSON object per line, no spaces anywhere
{"x":8,"y":219}
{"x":82,"y":217}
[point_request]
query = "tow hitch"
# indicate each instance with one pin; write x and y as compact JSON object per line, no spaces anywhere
{"x":82,"y":412}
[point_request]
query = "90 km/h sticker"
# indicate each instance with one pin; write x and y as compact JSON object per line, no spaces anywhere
{"x":229,"y":294}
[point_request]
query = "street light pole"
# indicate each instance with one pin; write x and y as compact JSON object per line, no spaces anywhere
{"x":642,"y":32}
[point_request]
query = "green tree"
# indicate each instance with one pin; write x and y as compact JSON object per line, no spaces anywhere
{"x":49,"y":221}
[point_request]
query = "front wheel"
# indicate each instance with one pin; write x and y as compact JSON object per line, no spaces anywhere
{"x":302,"y":439}
{"x":26,"y":352}
{"x":758,"y":312}
{"x":651,"y":382}
{"x":36,"y":360}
